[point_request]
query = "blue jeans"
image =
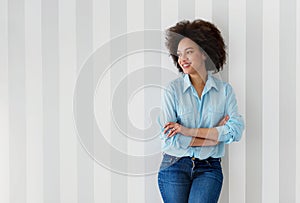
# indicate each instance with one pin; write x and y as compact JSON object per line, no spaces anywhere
{"x":190,"y":180}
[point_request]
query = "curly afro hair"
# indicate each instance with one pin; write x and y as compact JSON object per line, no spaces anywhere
{"x":203,"y":33}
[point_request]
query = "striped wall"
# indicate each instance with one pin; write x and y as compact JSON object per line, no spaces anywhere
{"x":65,"y":139}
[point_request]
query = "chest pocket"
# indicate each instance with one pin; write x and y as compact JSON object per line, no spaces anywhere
{"x":186,"y":117}
{"x":215,"y":115}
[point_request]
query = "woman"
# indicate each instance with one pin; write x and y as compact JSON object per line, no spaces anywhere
{"x":199,"y":116}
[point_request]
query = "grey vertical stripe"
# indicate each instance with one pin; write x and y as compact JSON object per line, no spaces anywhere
{"x":50,"y":101}
{"x":16,"y":85}
{"x":151,"y":42}
{"x":118,"y":26}
{"x":298,"y":105}
{"x":220,"y":18}
{"x":186,"y":9}
{"x":254,"y":101}
{"x":84,"y":41}
{"x":287,"y":99}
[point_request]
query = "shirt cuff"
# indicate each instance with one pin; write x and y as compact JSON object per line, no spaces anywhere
{"x":184,"y":141}
{"x":224,"y":134}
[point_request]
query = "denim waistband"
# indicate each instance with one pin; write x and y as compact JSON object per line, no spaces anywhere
{"x":207,"y":159}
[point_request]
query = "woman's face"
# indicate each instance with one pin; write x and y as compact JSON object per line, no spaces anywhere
{"x":190,"y":58}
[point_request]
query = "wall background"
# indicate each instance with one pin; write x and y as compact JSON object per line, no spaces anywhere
{"x":44,"y":45}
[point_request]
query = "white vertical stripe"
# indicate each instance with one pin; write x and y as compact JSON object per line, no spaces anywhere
{"x":237,"y":78}
{"x":4,"y":105}
{"x":270,"y":87}
{"x":34,"y":108}
{"x":287,"y":103}
{"x":135,"y":21}
{"x":135,"y":15}
{"x":297,"y":188}
{"x":203,"y":10}
{"x":220,"y":17}
{"x":169,"y":13}
{"x":102,"y":192}
{"x":101,"y":27}
{"x":67,"y":72}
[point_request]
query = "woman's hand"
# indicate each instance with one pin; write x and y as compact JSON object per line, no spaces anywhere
{"x":223,"y":121}
{"x":174,"y":129}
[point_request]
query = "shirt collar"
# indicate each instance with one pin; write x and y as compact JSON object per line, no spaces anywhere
{"x":210,"y":83}
{"x":187,"y":82}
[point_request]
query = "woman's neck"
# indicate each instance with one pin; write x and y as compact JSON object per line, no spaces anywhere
{"x":198,"y":80}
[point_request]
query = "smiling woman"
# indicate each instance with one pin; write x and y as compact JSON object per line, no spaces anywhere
{"x":207,"y":38}
{"x":199,"y":116}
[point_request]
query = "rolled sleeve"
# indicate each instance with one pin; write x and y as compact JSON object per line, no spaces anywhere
{"x":179,"y":141}
{"x":234,"y":127}
{"x":231,"y":131}
{"x":168,"y":114}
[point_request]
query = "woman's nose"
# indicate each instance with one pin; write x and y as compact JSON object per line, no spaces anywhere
{"x":183,"y":57}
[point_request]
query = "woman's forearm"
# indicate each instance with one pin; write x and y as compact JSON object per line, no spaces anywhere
{"x":200,"y":142}
{"x":204,"y":133}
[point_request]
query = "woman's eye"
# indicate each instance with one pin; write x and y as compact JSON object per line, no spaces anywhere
{"x":189,"y":52}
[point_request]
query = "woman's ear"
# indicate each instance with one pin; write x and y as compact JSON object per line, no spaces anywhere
{"x":203,"y":56}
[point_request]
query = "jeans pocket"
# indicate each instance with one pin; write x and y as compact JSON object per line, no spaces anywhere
{"x":215,"y":163}
{"x":168,"y":160}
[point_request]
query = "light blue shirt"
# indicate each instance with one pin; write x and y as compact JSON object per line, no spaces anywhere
{"x":181,"y":104}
